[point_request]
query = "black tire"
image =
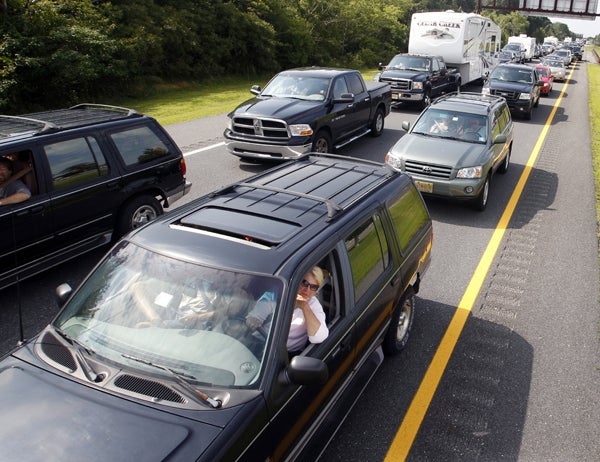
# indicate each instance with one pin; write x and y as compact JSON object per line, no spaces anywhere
{"x":504,"y":167}
{"x":400,"y":325}
{"x":378,"y":123}
{"x":480,"y":202}
{"x":137,"y":212}
{"x":527,"y":115}
{"x":322,"y":143}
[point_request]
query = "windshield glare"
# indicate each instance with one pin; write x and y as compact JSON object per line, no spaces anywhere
{"x":299,"y":87}
{"x":180,"y":315}
{"x":453,"y":124}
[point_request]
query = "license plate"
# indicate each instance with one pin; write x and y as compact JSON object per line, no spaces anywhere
{"x":424,"y":186}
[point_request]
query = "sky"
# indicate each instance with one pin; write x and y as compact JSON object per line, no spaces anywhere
{"x":580,"y":26}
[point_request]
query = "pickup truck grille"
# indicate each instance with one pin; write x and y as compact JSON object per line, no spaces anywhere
{"x":424,"y":169}
{"x":510,"y":96}
{"x":260,"y":128}
{"x":399,"y":84}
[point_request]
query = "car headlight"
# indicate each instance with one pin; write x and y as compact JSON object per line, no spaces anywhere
{"x":301,"y":130}
{"x":393,"y":161}
{"x":485,"y":91}
{"x":417,"y":85}
{"x":470,"y":172}
{"x":229,"y":123}
{"x":524,"y":96}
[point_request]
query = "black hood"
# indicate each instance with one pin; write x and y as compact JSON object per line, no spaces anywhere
{"x":47,"y":417}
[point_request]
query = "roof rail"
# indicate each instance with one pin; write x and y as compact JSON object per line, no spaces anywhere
{"x":61,"y":119}
{"x":128,"y":111}
{"x":13,"y":126}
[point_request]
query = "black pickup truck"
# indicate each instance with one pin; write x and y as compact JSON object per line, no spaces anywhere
{"x":418,"y":78}
{"x":307,"y":109}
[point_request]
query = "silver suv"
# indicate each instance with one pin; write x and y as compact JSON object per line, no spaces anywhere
{"x":455,"y":147}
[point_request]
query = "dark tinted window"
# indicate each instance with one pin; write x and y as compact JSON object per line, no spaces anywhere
{"x":75,"y":161}
{"x":355,"y":84}
{"x":369,"y":255}
{"x":139,"y":145}
{"x":409,"y":215}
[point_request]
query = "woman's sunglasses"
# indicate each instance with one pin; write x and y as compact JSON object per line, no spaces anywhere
{"x":308,"y":285}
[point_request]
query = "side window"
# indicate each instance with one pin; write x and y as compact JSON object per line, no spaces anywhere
{"x":409,"y":215}
{"x":139,"y":145}
{"x":329,"y":292}
{"x":75,"y":161}
{"x":368,"y":252}
{"x":355,"y":84}
{"x":340,"y":87}
{"x":435,"y":66}
{"x":497,"y":125}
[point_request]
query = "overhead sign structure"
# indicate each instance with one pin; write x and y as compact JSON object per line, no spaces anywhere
{"x":582,"y":9}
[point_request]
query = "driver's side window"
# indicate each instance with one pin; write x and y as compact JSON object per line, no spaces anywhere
{"x":339,"y":87}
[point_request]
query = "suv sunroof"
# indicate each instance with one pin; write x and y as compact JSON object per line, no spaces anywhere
{"x":248,"y":227}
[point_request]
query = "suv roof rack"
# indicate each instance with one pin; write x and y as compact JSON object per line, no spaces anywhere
{"x":371,"y":176}
{"x":472,"y":97}
{"x":240,"y":211}
{"x":40,"y":123}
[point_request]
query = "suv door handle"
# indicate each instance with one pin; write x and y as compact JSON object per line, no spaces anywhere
{"x":31,"y":210}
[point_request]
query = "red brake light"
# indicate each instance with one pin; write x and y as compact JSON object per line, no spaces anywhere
{"x":182,"y":165}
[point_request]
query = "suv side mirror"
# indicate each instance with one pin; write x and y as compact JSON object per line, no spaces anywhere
{"x":500,"y":139}
{"x":406,"y":125}
{"x":255,"y":89}
{"x":304,"y":370}
{"x":63,"y":292}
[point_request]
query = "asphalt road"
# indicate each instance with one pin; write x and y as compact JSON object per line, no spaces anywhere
{"x":521,"y":381}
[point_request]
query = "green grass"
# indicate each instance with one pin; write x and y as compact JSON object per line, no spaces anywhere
{"x":175,"y":103}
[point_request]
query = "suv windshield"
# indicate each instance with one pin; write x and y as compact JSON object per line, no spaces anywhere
{"x":165,"y":311}
{"x":452,"y":124}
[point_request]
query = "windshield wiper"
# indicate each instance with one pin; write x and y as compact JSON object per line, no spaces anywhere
{"x":77,"y":346}
{"x":179,"y":377}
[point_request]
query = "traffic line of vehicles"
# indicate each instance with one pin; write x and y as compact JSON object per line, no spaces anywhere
{"x":158,"y":341}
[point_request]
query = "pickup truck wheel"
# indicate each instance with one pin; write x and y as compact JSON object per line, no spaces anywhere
{"x":480,"y":203}
{"x":378,"y":123}
{"x":136,"y":213}
{"x":402,"y":320}
{"x":322,"y":143}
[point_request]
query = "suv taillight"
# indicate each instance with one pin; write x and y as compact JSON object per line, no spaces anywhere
{"x":182,"y":165}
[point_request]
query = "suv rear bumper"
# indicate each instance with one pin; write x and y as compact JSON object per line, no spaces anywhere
{"x":178,"y":193}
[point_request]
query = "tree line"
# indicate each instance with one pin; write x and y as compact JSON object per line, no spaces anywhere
{"x":54,"y":53}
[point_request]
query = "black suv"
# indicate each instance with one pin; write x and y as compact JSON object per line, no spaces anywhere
{"x":519,"y":84}
{"x":154,"y":353}
{"x":95,"y":172}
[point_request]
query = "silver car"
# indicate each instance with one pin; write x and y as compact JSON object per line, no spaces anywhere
{"x":557,"y":68}
{"x":456,"y":146}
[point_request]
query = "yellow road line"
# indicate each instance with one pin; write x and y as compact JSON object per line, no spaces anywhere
{"x":413,"y":419}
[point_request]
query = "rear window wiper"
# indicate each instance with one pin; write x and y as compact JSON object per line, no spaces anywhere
{"x":180,"y":377}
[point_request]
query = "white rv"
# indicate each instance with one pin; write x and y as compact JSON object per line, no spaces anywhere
{"x":466,"y":41}
{"x":527,"y":42}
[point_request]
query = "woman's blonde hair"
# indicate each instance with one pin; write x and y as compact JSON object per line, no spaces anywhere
{"x":317,"y":274}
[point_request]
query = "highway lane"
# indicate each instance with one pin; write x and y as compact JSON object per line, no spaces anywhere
{"x":520,"y":382}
